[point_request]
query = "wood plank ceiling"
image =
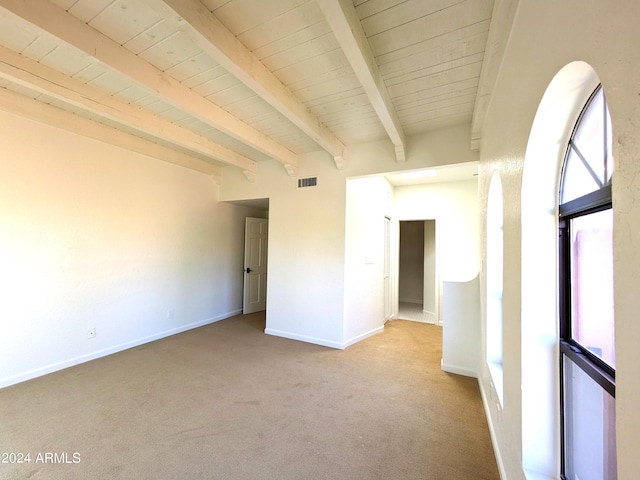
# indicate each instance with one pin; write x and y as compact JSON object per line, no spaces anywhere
{"x":207,"y":83}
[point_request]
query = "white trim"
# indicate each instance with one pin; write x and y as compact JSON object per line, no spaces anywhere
{"x":492,"y":434}
{"x":322,"y":341}
{"x":497,"y":377}
{"x":54,"y":367}
{"x":430,"y":317}
{"x":457,"y":370}
{"x":362,"y":336}
{"x":304,"y":338}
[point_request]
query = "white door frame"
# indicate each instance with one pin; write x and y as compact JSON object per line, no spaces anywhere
{"x":396,"y":267}
{"x":388,"y":277}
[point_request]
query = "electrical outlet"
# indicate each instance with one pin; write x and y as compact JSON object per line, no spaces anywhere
{"x":92,"y":333}
{"x":170,"y":313}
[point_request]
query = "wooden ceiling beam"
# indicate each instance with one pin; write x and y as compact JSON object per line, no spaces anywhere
{"x":62,"y":25}
{"x":217,"y":41}
{"x":499,"y":30}
{"x":40,"y":78}
{"x":41,"y":112}
{"x":341,"y":15}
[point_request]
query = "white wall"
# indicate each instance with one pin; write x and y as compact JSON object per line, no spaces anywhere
{"x":546,"y":36}
{"x":454,"y":206}
{"x":461,"y":327}
{"x":305,"y":288}
{"x":307,"y":230}
{"x":369,"y":200}
{"x":93,"y":236}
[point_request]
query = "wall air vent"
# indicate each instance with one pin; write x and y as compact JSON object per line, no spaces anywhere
{"x":307,"y":182}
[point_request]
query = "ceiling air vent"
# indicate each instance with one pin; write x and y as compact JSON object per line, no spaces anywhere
{"x":307,"y":182}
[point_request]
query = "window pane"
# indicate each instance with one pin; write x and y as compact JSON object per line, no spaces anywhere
{"x":593,"y":140}
{"x":589,"y":137}
{"x":576,"y":179}
{"x":590,"y":427}
{"x":592,"y":320}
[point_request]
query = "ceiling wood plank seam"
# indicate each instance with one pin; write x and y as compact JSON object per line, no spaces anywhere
{"x":499,"y":30}
{"x":72,"y":31}
{"x":36,"y":76}
{"x":41,"y":112}
{"x":345,"y":23}
{"x":223,"y":47}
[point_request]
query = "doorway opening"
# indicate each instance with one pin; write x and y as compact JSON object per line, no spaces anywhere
{"x":253,"y":255}
{"x":255,"y":265}
{"x":418,"y":285}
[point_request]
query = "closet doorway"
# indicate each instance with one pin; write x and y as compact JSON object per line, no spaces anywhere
{"x":418,"y":284}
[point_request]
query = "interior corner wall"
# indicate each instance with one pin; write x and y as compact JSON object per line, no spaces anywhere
{"x":455,"y":208}
{"x":93,"y":236}
{"x":541,"y":43}
{"x":369,"y":200}
{"x":307,"y":229}
{"x":305,"y":271}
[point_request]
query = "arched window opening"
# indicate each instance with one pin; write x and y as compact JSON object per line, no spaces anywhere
{"x":555,"y":120}
{"x":587,"y":330}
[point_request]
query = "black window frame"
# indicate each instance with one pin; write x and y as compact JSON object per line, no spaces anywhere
{"x":596,"y":368}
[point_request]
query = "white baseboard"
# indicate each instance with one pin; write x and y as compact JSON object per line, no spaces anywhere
{"x":322,"y":341}
{"x":54,"y":367}
{"x":304,"y":338}
{"x":492,"y":433}
{"x":430,"y":317}
{"x":458,"y":370}
{"x":363,"y":336}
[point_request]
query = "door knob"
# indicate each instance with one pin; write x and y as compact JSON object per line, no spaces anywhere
{"x":249,"y":270}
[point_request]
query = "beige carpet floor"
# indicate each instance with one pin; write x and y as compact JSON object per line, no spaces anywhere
{"x":226,"y":401}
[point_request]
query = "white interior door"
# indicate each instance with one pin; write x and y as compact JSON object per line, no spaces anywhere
{"x":388,"y":312}
{"x":255,"y":265}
